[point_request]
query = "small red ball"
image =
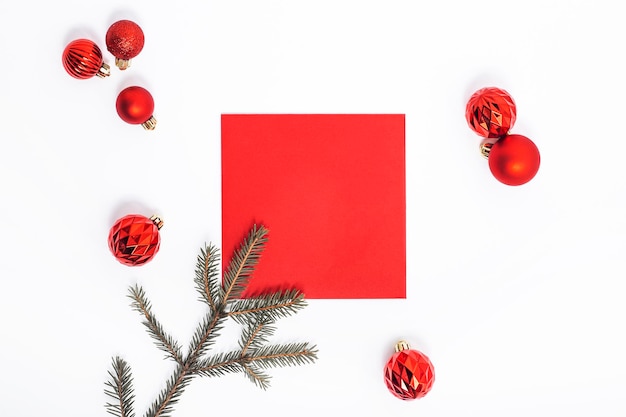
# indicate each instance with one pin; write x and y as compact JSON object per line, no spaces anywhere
{"x":135,"y":105}
{"x":490,"y":112}
{"x":134,"y":239}
{"x":409,"y":374}
{"x":124,"y":39}
{"x":82,"y":59}
{"x":514,"y":160}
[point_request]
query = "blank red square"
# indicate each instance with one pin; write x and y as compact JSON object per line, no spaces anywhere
{"x":331,"y":190}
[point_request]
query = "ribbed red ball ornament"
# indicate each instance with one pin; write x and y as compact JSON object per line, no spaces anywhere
{"x":135,"y":105}
{"x":513,"y":159}
{"x":490,"y":112}
{"x":409,"y":374}
{"x":82,"y":59}
{"x":134,"y":239}
{"x":124,"y":39}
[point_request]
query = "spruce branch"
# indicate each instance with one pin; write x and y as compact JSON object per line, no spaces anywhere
{"x":220,"y":364}
{"x":274,"y":356}
{"x":260,"y":378}
{"x":256,"y":316}
{"x":164,"y":341}
{"x":120,"y":389}
{"x":242,"y":265}
{"x":275,"y":305}
{"x":207,"y":269}
{"x":255,"y":334}
{"x":204,"y":337}
{"x":164,"y":404}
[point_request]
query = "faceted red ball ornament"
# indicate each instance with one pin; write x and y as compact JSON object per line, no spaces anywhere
{"x":134,"y":239}
{"x":135,"y":105}
{"x":514,"y":159}
{"x":82,"y":59}
{"x":124,"y":40}
{"x":490,"y":112}
{"x":409,"y":374}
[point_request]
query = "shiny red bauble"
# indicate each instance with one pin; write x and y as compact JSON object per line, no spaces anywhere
{"x":82,"y":59}
{"x":135,"y":105}
{"x":124,"y":39}
{"x":490,"y":112}
{"x":134,"y":239}
{"x":409,"y":374}
{"x":514,"y":159}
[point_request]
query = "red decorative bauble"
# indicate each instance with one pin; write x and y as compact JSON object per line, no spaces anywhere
{"x":409,"y":374}
{"x":134,"y":239}
{"x":514,"y":159}
{"x":490,"y":112}
{"x":124,"y":40}
{"x":82,"y":59}
{"x":135,"y":105}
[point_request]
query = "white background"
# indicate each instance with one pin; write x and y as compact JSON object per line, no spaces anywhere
{"x":515,"y":293}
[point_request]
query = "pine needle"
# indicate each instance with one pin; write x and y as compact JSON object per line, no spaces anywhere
{"x":276,"y":356}
{"x":260,"y":378}
{"x":163,"y":341}
{"x":120,"y":389}
{"x":207,"y":271}
{"x":242,"y":265}
{"x":220,"y":364}
{"x":275,"y":305}
{"x":255,"y":334}
{"x":204,"y":337}
{"x":164,"y":404}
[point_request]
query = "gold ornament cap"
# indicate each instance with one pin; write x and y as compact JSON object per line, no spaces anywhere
{"x":485,"y":147}
{"x":402,"y":345}
{"x":157,"y":221}
{"x":122,"y":63}
{"x":104,"y":70}
{"x":149,"y":124}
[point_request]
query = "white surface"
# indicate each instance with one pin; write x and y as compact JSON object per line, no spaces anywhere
{"x":516,"y":293}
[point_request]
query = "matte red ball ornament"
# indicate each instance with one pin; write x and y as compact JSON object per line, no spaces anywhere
{"x":134,"y":239}
{"x":490,"y":112}
{"x":124,"y":40}
{"x":82,"y":59}
{"x":135,"y":105}
{"x":513,"y":159}
{"x":409,"y":374}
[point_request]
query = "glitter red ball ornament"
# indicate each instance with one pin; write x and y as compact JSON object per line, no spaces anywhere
{"x":490,"y":112}
{"x":409,"y":374}
{"x":513,"y":159}
{"x":134,"y":239}
{"x":135,"y":105}
{"x":124,"y":39}
{"x":82,"y":59}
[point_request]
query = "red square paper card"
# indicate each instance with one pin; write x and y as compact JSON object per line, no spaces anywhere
{"x":330,"y":188}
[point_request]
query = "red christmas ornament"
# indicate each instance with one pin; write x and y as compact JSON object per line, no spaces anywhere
{"x":490,"y":112}
{"x":82,"y":59}
{"x":134,"y":239}
{"x":513,"y":159}
{"x":409,"y":374}
{"x":124,"y":40}
{"x":135,"y":105}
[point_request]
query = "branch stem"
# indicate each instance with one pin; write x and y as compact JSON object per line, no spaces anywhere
{"x":173,"y":390}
